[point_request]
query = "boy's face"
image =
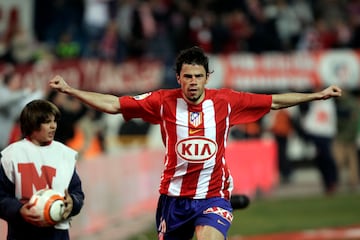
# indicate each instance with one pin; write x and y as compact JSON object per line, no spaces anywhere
{"x":192,"y":80}
{"x":46,"y":133}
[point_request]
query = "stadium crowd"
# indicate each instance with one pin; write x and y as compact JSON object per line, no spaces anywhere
{"x":116,"y":30}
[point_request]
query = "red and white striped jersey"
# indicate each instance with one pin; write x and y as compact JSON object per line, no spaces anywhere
{"x":195,"y":136}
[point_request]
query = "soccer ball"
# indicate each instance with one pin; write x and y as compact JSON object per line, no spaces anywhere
{"x":49,"y":204}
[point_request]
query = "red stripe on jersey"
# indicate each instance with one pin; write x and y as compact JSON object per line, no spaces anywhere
{"x":168,"y":129}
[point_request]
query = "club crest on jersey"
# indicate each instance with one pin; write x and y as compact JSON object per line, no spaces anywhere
{"x":196,"y":149}
{"x":142,"y":96}
{"x":195,"y":118}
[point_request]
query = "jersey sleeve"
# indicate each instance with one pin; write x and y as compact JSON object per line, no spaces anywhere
{"x":248,"y":107}
{"x":145,"y":106}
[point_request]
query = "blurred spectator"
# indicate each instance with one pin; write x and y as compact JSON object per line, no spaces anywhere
{"x":109,"y":42}
{"x":280,"y":125}
{"x":53,"y":18}
{"x":353,"y":11}
{"x":124,"y":23}
{"x":160,"y":45}
{"x":343,"y":34}
{"x":13,"y":97}
{"x":239,"y":31}
{"x":247,"y":131}
{"x":23,"y":48}
{"x":264,"y":36}
{"x":123,"y":18}
{"x":134,"y":130}
{"x":287,"y":24}
{"x":67,"y":47}
{"x":97,"y":14}
{"x":16,"y":44}
{"x":200,"y":29}
{"x":71,"y":112}
{"x":323,"y":35}
{"x":143,"y":29}
{"x":319,"y":123}
{"x":303,"y":11}
{"x":88,"y":139}
{"x":330,"y":10}
{"x":11,"y":26}
{"x":348,"y":109}
{"x":178,"y":28}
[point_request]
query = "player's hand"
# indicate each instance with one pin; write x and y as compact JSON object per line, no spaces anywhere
{"x":68,"y":204}
{"x":59,"y":84}
{"x":332,"y":91}
{"x":30,"y":215}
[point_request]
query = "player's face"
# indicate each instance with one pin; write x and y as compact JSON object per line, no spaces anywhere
{"x":192,"y":80}
{"x":46,"y":132}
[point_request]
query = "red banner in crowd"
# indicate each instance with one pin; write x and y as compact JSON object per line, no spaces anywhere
{"x":265,"y":72}
{"x":136,"y":76}
{"x":279,"y":71}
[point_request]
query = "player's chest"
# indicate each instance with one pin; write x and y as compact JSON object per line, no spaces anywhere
{"x":194,"y":119}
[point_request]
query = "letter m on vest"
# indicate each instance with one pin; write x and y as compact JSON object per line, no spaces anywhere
{"x":30,"y":178}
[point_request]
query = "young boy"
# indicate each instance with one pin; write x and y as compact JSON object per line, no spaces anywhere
{"x":34,"y":163}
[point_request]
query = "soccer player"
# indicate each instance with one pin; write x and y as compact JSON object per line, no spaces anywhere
{"x":34,"y":163}
{"x":196,"y":183}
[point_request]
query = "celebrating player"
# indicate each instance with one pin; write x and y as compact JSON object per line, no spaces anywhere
{"x":196,"y":183}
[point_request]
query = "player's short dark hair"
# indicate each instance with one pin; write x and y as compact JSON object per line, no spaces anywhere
{"x":193,"y":55}
{"x":35,"y":113}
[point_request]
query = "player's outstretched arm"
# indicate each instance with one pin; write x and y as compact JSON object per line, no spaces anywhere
{"x":290,"y":99}
{"x":102,"y":102}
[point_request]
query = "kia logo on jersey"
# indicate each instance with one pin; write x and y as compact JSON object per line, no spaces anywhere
{"x":196,"y":149}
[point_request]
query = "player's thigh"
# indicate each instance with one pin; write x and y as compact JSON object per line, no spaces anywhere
{"x":208,"y":233}
{"x":215,"y":219}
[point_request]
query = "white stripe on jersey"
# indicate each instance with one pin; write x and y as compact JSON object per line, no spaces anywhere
{"x":227,"y":120}
{"x":210,"y":132}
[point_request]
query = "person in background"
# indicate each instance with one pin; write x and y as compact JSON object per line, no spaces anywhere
{"x":319,"y":125}
{"x":196,"y":184}
{"x":71,"y":112}
{"x":13,"y":97}
{"x":88,"y":140}
{"x":33,"y":163}
{"x":281,"y":127}
{"x":345,"y":148}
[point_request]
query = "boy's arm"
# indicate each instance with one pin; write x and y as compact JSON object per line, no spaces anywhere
{"x":9,"y":205}
{"x":76,"y":193}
